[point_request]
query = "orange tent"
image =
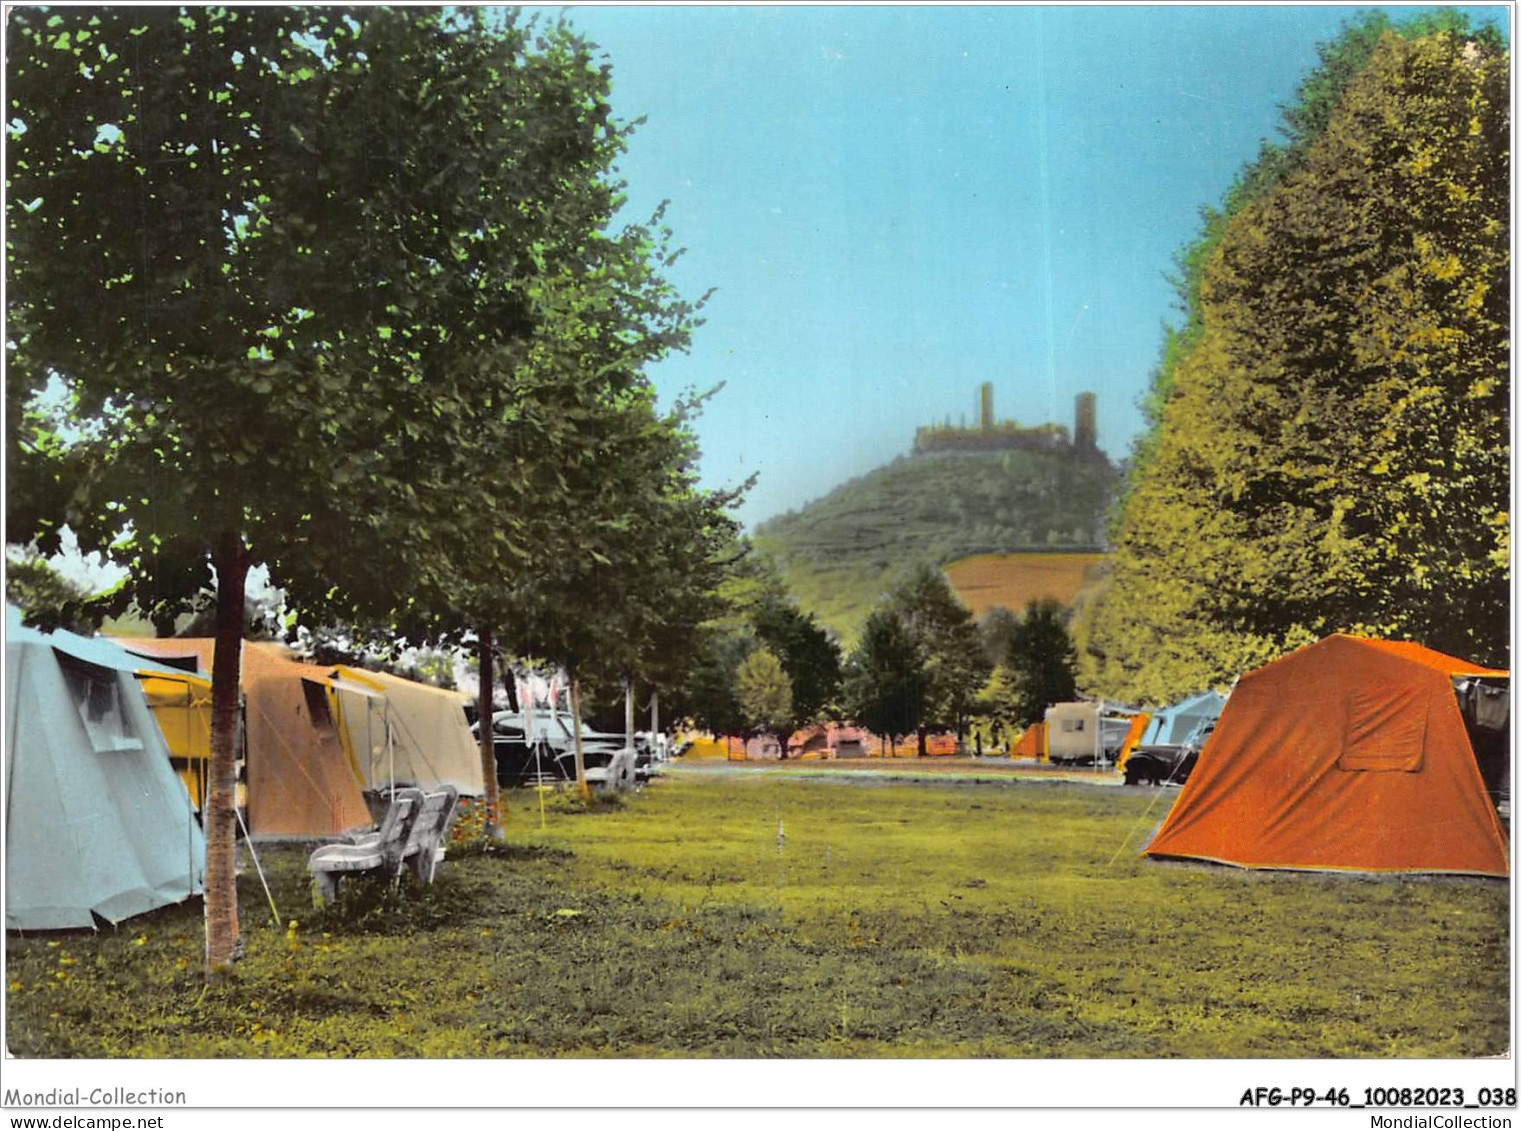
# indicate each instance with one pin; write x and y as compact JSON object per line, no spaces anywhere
{"x":1349,"y":754}
{"x":1031,"y":744}
{"x":1138,"y":725}
{"x":941,"y":745}
{"x":301,"y":783}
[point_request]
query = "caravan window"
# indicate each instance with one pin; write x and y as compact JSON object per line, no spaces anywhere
{"x":1070,"y":725}
{"x":96,"y":693}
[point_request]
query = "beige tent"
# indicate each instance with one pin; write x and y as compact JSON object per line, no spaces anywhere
{"x":300,"y":781}
{"x":414,"y":735}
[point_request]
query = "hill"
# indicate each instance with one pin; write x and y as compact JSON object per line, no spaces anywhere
{"x":840,"y":552}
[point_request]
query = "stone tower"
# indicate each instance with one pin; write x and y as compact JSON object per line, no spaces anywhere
{"x":1085,"y":424}
{"x":985,"y":406}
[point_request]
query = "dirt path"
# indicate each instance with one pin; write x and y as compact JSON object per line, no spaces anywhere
{"x":911,"y":769}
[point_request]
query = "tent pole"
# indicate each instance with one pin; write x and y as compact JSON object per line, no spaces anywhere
{"x":248,"y":840}
{"x":533,"y":739}
{"x":390,"y":747}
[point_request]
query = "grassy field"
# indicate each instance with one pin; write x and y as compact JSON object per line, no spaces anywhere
{"x":728,"y":912}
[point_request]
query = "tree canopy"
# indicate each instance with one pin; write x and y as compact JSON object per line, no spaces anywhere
{"x":886,"y":683}
{"x":1041,"y":662}
{"x":955,"y":666}
{"x":765,"y":694}
{"x":808,"y":653}
{"x":1332,"y":450}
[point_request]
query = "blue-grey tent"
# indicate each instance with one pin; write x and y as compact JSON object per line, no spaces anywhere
{"x":98,"y":825}
{"x":1178,"y":723}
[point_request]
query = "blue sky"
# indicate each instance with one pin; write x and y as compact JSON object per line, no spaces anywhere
{"x":898,"y":203}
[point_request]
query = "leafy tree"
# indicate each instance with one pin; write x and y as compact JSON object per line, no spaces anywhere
{"x":1333,"y":454}
{"x":808,"y":653}
{"x":751,"y":609}
{"x":886,"y":680}
{"x":1041,"y":662}
{"x":651,"y":550}
{"x":996,"y":629}
{"x":260,"y":618}
{"x":764,"y":692}
{"x":1304,"y":121}
{"x":133,"y":176}
{"x":707,"y":695}
{"x":998,"y":702}
{"x":946,"y":634}
{"x":549,"y":340}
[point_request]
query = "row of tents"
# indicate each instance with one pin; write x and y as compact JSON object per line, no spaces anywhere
{"x":107,"y":747}
{"x":1086,"y":732}
{"x":1349,"y":754}
{"x":316,"y":738}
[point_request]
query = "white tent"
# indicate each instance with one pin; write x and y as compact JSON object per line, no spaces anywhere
{"x":98,"y":825}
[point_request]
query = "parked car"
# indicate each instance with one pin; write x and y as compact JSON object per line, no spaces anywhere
{"x":1159,"y":764}
{"x":550,"y":756}
{"x":1166,"y":763}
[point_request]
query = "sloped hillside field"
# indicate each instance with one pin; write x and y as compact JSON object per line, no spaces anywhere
{"x":1011,"y":581}
{"x":731,"y":914}
{"x":841,"y":551}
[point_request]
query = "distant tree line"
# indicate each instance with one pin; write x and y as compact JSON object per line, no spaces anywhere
{"x":922,"y":665}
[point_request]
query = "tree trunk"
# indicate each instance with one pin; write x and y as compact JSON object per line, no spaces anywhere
{"x":923,"y":749}
{"x":654,"y":716}
{"x":487,"y":665}
{"x":582,"y":788}
{"x":223,"y":941}
{"x":500,"y":813}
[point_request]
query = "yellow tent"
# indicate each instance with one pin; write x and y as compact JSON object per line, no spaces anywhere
{"x":179,"y":696}
{"x":181,"y":706}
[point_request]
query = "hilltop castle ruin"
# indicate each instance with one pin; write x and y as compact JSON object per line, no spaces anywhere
{"x":993,"y":435}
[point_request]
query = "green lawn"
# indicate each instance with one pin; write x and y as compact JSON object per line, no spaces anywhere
{"x":887,"y":920}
